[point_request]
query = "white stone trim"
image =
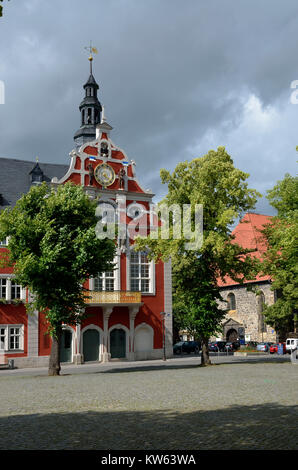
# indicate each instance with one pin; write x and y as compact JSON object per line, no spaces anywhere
{"x":168,"y":308}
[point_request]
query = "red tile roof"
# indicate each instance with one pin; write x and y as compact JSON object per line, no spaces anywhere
{"x":247,"y":234}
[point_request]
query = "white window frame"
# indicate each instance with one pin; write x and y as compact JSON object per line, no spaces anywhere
{"x":7,"y":336}
{"x":3,"y":286}
{"x":116,"y":277}
{"x":151,"y":277}
{"x":14,"y":289}
{"x":9,"y":280}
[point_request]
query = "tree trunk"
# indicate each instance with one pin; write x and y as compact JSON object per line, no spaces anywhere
{"x":205,"y":360}
{"x":54,"y":363}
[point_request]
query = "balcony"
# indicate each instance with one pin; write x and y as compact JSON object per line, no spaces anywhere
{"x":124,"y":298}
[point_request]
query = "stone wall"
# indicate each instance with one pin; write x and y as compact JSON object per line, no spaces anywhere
{"x":248,"y":312}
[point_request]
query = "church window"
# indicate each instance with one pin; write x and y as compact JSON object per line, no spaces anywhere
{"x":231,"y":301}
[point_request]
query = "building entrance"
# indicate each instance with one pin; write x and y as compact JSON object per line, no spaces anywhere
{"x":118,"y":343}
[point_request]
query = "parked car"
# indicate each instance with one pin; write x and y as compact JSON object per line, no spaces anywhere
{"x":263,"y":347}
{"x":186,"y":347}
{"x":274,"y":348}
{"x":217,"y":346}
{"x":232,"y":346}
{"x":251,"y":344}
{"x":291,"y":344}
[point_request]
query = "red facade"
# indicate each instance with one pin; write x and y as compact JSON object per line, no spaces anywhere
{"x":123,"y":317}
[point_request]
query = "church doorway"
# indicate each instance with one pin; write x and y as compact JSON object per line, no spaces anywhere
{"x":91,"y":343}
{"x":118,"y":343}
{"x":66,"y":346}
{"x":232,"y":335}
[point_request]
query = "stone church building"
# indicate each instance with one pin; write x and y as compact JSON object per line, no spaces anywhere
{"x":245,"y":320}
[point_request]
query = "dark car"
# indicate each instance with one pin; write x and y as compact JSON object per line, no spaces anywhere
{"x":232,"y":346}
{"x":217,"y":346}
{"x":186,"y":347}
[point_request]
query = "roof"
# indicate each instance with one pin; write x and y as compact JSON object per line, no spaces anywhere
{"x":247,"y":234}
{"x":15,"y":179}
{"x":91,"y":81}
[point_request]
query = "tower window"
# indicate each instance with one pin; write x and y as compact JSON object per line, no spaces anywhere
{"x":89,"y":119}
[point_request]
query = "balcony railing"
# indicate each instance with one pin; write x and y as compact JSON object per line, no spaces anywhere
{"x":113,"y":297}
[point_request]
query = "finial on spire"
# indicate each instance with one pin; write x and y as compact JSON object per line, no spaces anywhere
{"x":91,"y":50}
{"x":103,"y":118}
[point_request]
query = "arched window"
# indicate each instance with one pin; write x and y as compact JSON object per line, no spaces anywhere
{"x":261,"y":300}
{"x":231,"y":301}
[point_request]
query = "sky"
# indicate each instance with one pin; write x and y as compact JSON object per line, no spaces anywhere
{"x":177,"y":79}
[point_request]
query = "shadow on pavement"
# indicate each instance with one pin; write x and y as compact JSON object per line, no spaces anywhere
{"x":267,"y":426}
{"x":170,"y":366}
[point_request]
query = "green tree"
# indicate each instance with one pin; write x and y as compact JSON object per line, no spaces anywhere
{"x":54,"y":249}
{"x":214,"y":182}
{"x":281,"y":258}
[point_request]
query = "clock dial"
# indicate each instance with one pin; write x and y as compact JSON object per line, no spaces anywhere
{"x":104,"y":174}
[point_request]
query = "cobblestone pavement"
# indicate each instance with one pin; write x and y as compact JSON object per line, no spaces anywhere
{"x":177,"y":405}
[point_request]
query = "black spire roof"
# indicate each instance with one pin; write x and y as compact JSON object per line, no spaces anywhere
{"x":90,"y":109}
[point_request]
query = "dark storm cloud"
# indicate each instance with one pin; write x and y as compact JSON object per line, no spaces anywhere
{"x":176,"y":78}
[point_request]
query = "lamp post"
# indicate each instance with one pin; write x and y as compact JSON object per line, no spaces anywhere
{"x":163,"y":314}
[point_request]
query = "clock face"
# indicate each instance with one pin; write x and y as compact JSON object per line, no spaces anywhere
{"x":104,"y":174}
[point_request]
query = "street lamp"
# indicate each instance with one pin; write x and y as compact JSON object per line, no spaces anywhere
{"x":163,"y":314}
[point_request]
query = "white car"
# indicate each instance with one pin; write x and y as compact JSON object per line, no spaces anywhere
{"x":292,"y":343}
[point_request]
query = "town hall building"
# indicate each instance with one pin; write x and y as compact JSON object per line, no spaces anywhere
{"x":128,"y":310}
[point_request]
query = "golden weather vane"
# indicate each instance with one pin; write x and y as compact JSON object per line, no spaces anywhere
{"x":91,"y":50}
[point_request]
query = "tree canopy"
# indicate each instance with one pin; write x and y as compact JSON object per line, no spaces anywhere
{"x":281,"y":258}
{"x":53,"y":249}
{"x":213,"y":182}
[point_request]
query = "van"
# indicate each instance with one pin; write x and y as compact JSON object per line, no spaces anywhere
{"x":292,"y":343}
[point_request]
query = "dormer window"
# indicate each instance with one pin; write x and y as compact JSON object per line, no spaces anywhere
{"x":36,"y":175}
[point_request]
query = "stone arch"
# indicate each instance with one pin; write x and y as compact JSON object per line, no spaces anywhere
{"x":232,"y":335}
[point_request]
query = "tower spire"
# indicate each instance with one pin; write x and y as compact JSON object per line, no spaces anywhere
{"x":90,"y":107}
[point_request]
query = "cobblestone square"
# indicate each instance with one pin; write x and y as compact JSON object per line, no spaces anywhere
{"x":230,"y":405}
